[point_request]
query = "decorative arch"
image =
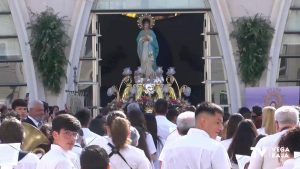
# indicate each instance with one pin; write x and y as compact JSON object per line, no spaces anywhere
{"x":21,"y":18}
{"x":76,"y":45}
{"x":229,"y":61}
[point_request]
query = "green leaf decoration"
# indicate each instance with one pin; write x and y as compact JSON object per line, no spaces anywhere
{"x":253,"y":36}
{"x":48,"y":41}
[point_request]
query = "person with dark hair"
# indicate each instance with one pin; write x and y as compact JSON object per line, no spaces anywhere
{"x":151,"y":125}
{"x":242,"y":140}
{"x":47,"y":118}
{"x":121,"y":153}
{"x":55,"y":109}
{"x":97,"y":125}
{"x":20,"y":107}
{"x":232,"y":126}
{"x":65,"y":130}
{"x":164,"y":126}
{"x":3,"y":111}
{"x":85,"y":116}
{"x":94,"y":157}
{"x":245,"y":112}
{"x":289,"y":142}
{"x":206,"y":152}
{"x":12,"y":131}
{"x":137,"y":120}
{"x":286,"y":117}
{"x":172,"y":115}
{"x":257,"y":116}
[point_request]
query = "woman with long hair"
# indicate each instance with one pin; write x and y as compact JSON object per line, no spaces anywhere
{"x":121,"y":153}
{"x":145,"y":141}
{"x":232,"y":125}
{"x":242,"y":140}
{"x":268,"y":121}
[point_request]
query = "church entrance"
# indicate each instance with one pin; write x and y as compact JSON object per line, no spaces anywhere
{"x":180,"y":46}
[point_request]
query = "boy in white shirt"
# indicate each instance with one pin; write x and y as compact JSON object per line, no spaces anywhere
{"x":65,"y":129}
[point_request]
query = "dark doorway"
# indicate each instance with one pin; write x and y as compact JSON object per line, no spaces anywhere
{"x":180,"y":46}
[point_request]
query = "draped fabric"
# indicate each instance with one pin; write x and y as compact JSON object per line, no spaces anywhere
{"x":147,"y":51}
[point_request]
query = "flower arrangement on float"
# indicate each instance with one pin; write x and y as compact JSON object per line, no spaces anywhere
{"x":146,"y":90}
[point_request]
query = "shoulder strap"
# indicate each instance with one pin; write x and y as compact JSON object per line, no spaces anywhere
{"x":22,"y":154}
{"x":114,"y":150}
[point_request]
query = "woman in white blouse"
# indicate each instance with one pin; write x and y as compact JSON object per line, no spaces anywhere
{"x":268,"y":121}
{"x":121,"y":153}
{"x":145,"y":142}
{"x":232,"y":125}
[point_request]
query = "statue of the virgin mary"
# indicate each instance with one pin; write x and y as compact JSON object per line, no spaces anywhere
{"x":147,"y":46}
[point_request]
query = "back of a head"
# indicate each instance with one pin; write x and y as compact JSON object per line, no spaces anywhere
{"x":232,"y":124}
{"x":67,"y":122}
{"x":172,"y":114}
{"x":257,"y":110}
{"x":34,"y":103}
{"x":268,"y":119}
{"x":151,"y":125}
{"x":94,"y":157}
{"x":18,"y":103}
{"x":161,"y":107}
{"x":287,"y":115}
{"x":185,"y":121}
{"x":290,"y":140}
{"x":208,"y":108}
{"x":120,"y":130}
{"x":46,"y":106}
{"x":242,"y":139}
{"x":97,"y":126}
{"x":113,"y":115}
{"x":133,"y":107}
{"x":245,"y":112}
{"x":84,"y":116}
{"x":11,"y":131}
{"x":136,"y":118}
{"x":35,"y":108}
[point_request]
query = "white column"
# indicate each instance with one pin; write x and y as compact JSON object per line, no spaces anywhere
{"x":229,"y":61}
{"x":280,"y":16}
{"x":76,"y":46}
{"x":21,"y":18}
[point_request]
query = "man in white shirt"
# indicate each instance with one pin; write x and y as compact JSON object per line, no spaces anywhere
{"x":185,"y":121}
{"x":264,"y":155}
{"x":11,"y":131}
{"x":164,"y":126}
{"x":85,"y":117}
{"x":36,"y":113}
{"x":65,"y":129}
{"x":199,"y":149}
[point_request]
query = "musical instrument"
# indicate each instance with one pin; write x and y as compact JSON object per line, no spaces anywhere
{"x":33,"y":139}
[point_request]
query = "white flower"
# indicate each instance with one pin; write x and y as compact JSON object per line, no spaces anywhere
{"x":127,"y":71}
{"x":187,"y":91}
{"x":171,"y":71}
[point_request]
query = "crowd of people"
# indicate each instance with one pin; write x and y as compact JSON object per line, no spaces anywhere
{"x":202,"y":137}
